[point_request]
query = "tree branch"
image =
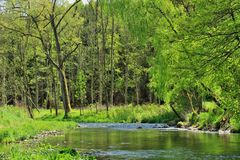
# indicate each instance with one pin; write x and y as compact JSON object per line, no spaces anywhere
{"x":71,"y":52}
{"x":165,"y":16}
{"x":19,"y":31}
{"x":54,"y":4}
{"x":45,"y":48}
{"x":66,"y":12}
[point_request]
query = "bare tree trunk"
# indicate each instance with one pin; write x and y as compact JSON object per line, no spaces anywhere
{"x":54,"y":94}
{"x":64,"y":89}
{"x":61,"y":70}
{"x":58,"y":93}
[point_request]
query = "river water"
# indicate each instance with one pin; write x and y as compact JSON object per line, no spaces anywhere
{"x":127,"y":142}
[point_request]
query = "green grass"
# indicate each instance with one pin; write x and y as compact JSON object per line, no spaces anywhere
{"x":16,"y":125}
{"x":43,"y":152}
{"x":122,"y":114}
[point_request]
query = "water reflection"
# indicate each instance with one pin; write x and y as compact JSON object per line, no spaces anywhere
{"x":150,"y":144}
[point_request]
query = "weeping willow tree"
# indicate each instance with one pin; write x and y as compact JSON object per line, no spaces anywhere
{"x":196,"y":45}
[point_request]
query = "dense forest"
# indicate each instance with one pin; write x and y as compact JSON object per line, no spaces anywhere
{"x":100,"y":53}
{"x":119,"y":79}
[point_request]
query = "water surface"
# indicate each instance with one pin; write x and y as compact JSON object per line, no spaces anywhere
{"x":131,"y":143}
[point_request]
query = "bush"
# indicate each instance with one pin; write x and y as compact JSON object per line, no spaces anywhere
{"x":235,"y":124}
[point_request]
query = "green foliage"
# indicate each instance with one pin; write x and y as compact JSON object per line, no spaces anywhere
{"x":197,"y":52}
{"x":186,"y":52}
{"x":235,"y":123}
{"x":207,"y":120}
{"x":81,"y":86}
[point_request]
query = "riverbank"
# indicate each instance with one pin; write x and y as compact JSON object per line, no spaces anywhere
{"x":22,"y":135}
{"x":207,"y":120}
{"x":155,"y":126}
{"x":15,"y":125}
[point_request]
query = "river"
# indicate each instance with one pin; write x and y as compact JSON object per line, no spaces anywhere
{"x":134,"y":142}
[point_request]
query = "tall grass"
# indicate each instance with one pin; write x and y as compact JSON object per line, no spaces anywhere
{"x":16,"y":125}
{"x":122,"y":114}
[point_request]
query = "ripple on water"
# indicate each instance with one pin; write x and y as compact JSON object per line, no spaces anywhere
{"x":159,"y":154}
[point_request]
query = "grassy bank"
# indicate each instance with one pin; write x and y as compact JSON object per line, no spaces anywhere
{"x":43,"y":152}
{"x":15,"y":125}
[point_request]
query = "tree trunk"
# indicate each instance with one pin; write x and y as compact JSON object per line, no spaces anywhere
{"x":137,"y":93}
{"x":150,"y":97}
{"x":64,"y":89}
{"x":54,"y":94}
{"x":97,"y":51}
{"x":37,"y":93}
{"x":126,"y":81}
{"x":92,"y":89}
{"x":112,"y":61}
{"x":4,"y":97}
{"x":103,"y":60}
{"x":36,"y":78}
{"x":175,"y":111}
{"x":62,"y":75}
